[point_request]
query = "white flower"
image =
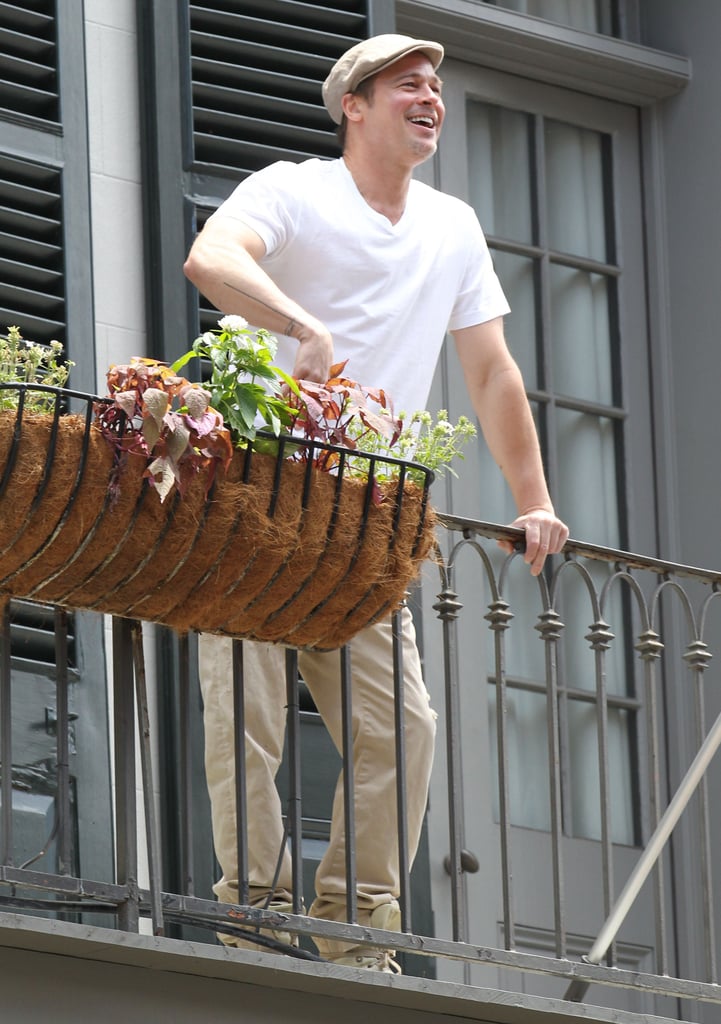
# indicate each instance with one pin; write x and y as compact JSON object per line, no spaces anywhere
{"x":233,"y":324}
{"x":444,"y":427}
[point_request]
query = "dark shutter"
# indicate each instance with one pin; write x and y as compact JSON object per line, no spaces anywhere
{"x":32,"y":296}
{"x":28,"y":60}
{"x":40,"y":153}
{"x":257,"y":68}
{"x":256,"y":73}
{"x":32,"y":635}
{"x":31,"y":250}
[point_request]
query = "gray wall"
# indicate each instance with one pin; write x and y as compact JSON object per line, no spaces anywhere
{"x":691,"y":169}
{"x":691,"y":165}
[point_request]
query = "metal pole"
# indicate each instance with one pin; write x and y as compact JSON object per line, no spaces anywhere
{"x":577,"y":989}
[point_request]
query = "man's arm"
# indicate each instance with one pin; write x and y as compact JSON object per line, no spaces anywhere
{"x":223,"y":265}
{"x":499,"y":398}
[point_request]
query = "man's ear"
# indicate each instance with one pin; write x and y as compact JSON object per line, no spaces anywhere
{"x":351,"y":106}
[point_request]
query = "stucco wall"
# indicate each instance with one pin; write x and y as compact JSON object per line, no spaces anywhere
{"x":691,"y":164}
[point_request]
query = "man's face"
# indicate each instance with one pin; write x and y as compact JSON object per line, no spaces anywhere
{"x":405,"y":111}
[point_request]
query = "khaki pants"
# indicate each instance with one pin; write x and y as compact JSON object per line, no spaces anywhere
{"x":374,"y":765}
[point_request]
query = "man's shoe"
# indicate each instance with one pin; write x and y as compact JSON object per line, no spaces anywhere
{"x":371,"y":960}
{"x":386,"y":917}
{"x":286,"y":938}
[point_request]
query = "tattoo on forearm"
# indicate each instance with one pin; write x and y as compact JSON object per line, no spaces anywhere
{"x":254,"y":298}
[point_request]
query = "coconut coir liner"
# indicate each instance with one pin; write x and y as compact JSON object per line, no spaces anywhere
{"x":309,"y":566}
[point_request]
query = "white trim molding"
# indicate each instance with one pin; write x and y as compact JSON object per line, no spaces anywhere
{"x":529,"y":46}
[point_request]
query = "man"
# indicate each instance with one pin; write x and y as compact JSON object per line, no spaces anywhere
{"x":352,"y":259}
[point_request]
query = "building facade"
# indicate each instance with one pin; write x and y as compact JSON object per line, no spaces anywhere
{"x":583,"y":133}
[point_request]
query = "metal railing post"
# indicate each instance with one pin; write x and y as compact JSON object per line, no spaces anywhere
{"x":448,"y":607}
{"x":62,"y":741}
{"x":401,"y":802}
{"x":351,"y":877}
{"x":241,"y":790}
{"x":146,"y":768}
{"x":6,"y":739}
{"x":295,"y":813}
{"x":126,"y":853}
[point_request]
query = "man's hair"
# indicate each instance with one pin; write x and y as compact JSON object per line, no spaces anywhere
{"x":364,"y":89}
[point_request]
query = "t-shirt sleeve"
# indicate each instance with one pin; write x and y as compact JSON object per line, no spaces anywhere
{"x":480,"y":297}
{"x":266,"y":202}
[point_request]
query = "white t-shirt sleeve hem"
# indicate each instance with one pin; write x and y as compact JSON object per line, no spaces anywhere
{"x":481,"y":317}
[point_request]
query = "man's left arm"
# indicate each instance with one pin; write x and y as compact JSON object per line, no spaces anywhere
{"x":495,"y":387}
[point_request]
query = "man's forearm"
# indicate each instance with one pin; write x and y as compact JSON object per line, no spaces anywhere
{"x":233,"y":281}
{"x":510,"y":432}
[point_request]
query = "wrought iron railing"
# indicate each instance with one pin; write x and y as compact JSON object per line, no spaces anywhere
{"x":640,"y":693}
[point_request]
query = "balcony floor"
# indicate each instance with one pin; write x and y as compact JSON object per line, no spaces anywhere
{"x":53,"y":970}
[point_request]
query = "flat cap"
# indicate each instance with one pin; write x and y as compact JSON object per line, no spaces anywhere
{"x":365,"y":59}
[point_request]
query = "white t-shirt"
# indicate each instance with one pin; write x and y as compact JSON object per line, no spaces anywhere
{"x":387,"y":293}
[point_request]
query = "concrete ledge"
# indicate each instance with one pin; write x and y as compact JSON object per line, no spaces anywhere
{"x":52,"y":970}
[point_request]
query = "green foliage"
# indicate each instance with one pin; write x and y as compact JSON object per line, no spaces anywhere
{"x":433,"y":444}
{"x":251,"y":394}
{"x":182,"y":428}
{"x":245,"y":387}
{"x":23,"y":362}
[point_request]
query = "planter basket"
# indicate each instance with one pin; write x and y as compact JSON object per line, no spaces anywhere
{"x":277,"y":550}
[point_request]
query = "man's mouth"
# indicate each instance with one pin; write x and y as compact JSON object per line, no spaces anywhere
{"x":424,"y":120}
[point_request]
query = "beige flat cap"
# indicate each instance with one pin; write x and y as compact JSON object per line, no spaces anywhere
{"x":367,"y":57}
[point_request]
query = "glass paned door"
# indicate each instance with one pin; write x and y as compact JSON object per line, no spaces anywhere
{"x":555,"y":180}
{"x":544,"y":188}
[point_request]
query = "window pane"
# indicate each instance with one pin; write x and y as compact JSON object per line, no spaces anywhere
{"x":581,"y":350}
{"x":579,"y":617}
{"x":575,"y":211}
{"x":584,"y":778}
{"x":527,"y":758}
{"x":517,"y":276}
{"x":587,"y":488}
{"x":499,"y":176}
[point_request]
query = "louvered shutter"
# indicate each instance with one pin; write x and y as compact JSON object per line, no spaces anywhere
{"x":32,"y":635}
{"x":32,"y":293}
{"x":31,"y":249}
{"x":256,"y":70}
{"x":28,"y":60}
{"x":41,"y":154}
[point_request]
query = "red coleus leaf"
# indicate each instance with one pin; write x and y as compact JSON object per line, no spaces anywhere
{"x":127,"y":401}
{"x":178,"y":444}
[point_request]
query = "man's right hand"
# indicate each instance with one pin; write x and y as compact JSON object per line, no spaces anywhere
{"x":315,"y":351}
